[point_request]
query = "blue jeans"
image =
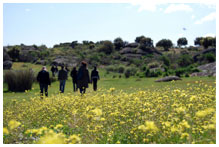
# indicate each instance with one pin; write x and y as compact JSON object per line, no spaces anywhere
{"x":62,"y":86}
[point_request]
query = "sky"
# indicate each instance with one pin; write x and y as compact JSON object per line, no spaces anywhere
{"x":54,"y":23}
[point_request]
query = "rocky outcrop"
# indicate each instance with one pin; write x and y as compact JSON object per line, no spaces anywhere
{"x":42,"y":62}
{"x":132,"y":45}
{"x":210,"y":50}
{"x":206,"y":70}
{"x":5,"y":55}
{"x":65,"y":60}
{"x":7,"y":64}
{"x":127,"y":50}
{"x":27,"y":56}
{"x":168,"y":79}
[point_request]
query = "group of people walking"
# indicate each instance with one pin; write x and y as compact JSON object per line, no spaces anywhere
{"x":80,"y":78}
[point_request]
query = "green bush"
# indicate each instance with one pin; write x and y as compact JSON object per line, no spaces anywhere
{"x":127,"y":73}
{"x":210,"y":57}
{"x":166,"y":60}
{"x":121,"y":69}
{"x":19,"y":81}
{"x":185,"y":60}
{"x":131,"y":71}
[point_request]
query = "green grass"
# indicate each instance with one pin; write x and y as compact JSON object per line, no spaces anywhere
{"x":106,"y":82}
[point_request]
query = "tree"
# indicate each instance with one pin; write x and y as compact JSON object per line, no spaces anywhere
{"x":198,"y":41}
{"x":138,"y":39}
{"x":107,"y":47}
{"x":146,"y":42}
{"x":118,"y":42}
{"x":14,"y":53}
{"x":74,"y":43}
{"x":208,"y":41}
{"x":165,"y":43}
{"x":182,"y":41}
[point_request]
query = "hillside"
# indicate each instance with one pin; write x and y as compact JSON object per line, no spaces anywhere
{"x":131,"y":59}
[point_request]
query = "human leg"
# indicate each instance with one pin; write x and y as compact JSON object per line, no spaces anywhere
{"x":95,"y":84}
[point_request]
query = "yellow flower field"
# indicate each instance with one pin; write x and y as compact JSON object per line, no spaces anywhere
{"x":158,"y":116}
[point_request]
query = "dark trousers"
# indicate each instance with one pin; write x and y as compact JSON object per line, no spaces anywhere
{"x":43,"y":87}
{"x":95,"y":84}
{"x":82,"y":90}
{"x":53,"y":74}
{"x":75,"y":87}
{"x":62,"y":86}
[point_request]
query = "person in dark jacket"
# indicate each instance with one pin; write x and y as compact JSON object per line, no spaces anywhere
{"x":94,"y":77}
{"x":44,"y":81}
{"x":62,"y":77}
{"x":83,"y":77}
{"x":74,"y":73}
{"x":56,"y":70}
{"x":53,"y":71}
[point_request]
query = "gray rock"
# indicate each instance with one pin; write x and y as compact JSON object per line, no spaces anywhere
{"x":132,"y":45}
{"x":169,"y":78}
{"x":65,"y":60}
{"x":127,"y":50}
{"x":26,"y":56}
{"x":7,"y":64}
{"x":131,"y":56}
{"x":5,"y":55}
{"x":206,"y":70}
{"x":42,"y":62}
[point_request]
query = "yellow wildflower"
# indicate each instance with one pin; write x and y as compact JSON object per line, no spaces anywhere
{"x":13,"y":124}
{"x":5,"y":131}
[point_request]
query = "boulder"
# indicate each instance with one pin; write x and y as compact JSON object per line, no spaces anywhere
{"x":7,"y":64}
{"x":5,"y":55}
{"x":42,"y":62}
{"x":127,"y":50}
{"x":65,"y":60}
{"x":169,"y":78}
{"x":206,"y":70}
{"x":132,"y":45}
{"x":131,"y":56}
{"x":26,"y":56}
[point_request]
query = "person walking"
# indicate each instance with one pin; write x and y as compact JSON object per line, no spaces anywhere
{"x":44,"y":81}
{"x":56,"y":70}
{"x":94,"y":77}
{"x":53,"y":71}
{"x":83,"y":77}
{"x":62,"y":77}
{"x":74,"y":73}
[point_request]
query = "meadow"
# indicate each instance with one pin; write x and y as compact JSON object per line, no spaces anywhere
{"x":133,"y":110}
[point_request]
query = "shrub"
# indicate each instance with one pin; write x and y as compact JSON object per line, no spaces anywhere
{"x":121,"y":69}
{"x":127,"y":73}
{"x":185,"y":60}
{"x":19,"y":81}
{"x":166,"y":60}
{"x":153,"y":65}
{"x":107,"y":47}
{"x":210,"y":57}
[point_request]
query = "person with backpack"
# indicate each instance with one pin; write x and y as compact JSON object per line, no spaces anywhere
{"x":94,"y":77}
{"x":44,"y":81}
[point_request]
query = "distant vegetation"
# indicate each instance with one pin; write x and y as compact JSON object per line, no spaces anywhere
{"x":140,"y":58}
